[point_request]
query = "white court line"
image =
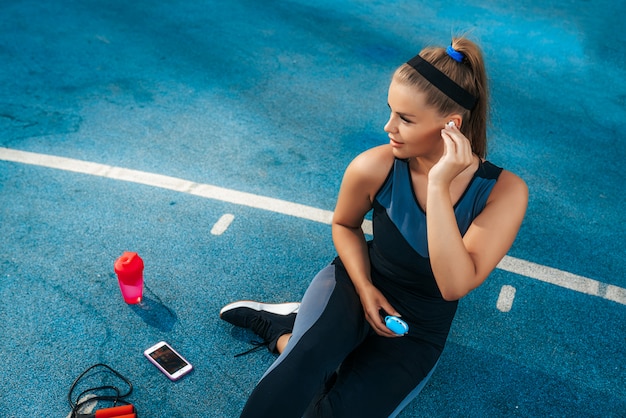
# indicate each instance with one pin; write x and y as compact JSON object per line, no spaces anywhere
{"x":505,"y":299}
{"x":222,"y":224}
{"x":514,"y":265}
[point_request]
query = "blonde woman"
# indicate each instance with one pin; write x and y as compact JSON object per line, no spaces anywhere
{"x":443,"y":218}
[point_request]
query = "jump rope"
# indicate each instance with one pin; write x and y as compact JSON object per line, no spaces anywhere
{"x":120,"y":409}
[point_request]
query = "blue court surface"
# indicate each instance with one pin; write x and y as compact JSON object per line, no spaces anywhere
{"x":210,"y":138}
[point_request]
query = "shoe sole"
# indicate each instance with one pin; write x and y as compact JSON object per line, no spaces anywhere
{"x":275,"y":308}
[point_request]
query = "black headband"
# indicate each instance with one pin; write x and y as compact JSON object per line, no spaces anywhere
{"x":443,"y":82}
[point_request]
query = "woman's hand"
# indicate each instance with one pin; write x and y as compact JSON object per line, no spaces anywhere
{"x":373,"y":301}
{"x":457,"y":156}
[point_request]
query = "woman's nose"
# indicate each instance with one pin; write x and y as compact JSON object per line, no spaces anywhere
{"x":390,"y":126}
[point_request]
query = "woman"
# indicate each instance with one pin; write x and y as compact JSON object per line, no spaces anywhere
{"x":443,"y":218}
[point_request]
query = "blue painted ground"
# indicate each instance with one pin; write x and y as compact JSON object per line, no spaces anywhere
{"x":275,"y":98}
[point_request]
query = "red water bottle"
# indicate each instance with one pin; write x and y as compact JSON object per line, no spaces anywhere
{"x":129,"y":270}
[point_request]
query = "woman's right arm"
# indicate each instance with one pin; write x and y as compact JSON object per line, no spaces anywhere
{"x":362,"y":180}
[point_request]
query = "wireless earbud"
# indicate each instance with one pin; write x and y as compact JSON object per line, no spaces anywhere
{"x":451,"y":123}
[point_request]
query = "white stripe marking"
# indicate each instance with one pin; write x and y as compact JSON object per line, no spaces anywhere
{"x":510,"y":264}
{"x":222,"y":224}
{"x":564,"y":279}
{"x":505,"y":299}
{"x":171,"y":183}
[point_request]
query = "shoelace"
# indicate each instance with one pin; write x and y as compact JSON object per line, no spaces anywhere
{"x":257,"y":346}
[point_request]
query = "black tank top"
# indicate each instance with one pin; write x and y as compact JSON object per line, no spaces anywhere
{"x":399,"y":250}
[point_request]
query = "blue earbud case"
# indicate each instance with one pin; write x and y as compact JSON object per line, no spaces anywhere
{"x":396,"y":325}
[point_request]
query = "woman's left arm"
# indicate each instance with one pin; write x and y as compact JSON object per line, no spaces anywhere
{"x":460,"y":264}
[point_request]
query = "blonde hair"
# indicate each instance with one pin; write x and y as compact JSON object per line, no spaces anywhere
{"x":470,"y":74}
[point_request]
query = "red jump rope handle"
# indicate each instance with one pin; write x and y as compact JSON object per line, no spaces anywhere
{"x":124,"y":411}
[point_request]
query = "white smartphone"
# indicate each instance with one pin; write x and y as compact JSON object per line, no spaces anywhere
{"x":166,"y":359}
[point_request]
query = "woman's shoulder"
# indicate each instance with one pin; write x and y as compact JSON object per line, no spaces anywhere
{"x":511,"y":187}
{"x":375,"y":161}
{"x":368,"y":171}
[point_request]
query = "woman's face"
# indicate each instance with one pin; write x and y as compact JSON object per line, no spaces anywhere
{"x":414,"y":129}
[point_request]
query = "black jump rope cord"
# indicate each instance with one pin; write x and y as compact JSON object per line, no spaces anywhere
{"x":118,"y":398}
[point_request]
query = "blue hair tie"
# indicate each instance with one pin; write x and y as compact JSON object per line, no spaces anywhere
{"x":454,"y":54}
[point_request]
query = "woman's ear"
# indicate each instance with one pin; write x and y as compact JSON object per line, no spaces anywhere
{"x":456,"y":119}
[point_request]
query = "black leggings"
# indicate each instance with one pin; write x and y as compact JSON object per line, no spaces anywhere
{"x":334,"y":364}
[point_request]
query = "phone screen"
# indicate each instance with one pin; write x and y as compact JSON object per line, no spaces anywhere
{"x":168,"y":359}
